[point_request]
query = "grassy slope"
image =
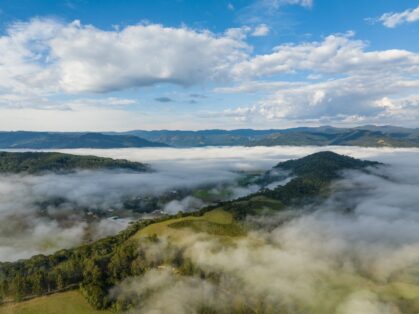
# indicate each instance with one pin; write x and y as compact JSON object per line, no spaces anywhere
{"x":217,"y":222}
{"x":70,"y":302}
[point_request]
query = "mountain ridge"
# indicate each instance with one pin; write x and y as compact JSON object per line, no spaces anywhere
{"x":368,"y":136}
{"x":365,"y":136}
{"x":62,"y":140}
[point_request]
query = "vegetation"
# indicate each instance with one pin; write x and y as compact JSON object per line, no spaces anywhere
{"x":323,"y":165}
{"x":95,"y":268}
{"x":210,"y":227}
{"x":215,"y":217}
{"x":70,"y":302}
{"x":86,"y":266}
{"x":37,"y":162}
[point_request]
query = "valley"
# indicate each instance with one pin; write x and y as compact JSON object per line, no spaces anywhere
{"x":201,"y":250}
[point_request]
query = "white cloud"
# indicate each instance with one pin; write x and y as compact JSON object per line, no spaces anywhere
{"x":336,"y":54}
{"x":76,"y":58}
{"x":352,"y":81}
{"x":353,"y":255}
{"x":343,"y":80}
{"x":391,"y":20}
{"x":24,"y":61}
{"x":351,"y":100}
{"x":261,"y":30}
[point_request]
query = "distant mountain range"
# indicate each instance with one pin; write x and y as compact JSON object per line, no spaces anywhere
{"x":366,"y":136}
{"x":374,"y":136}
{"x":60,"y":140}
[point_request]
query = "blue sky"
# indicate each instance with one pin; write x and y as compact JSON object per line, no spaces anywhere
{"x":120,"y":65}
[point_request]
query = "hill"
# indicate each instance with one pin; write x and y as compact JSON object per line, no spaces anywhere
{"x":37,"y":162}
{"x":323,"y":165}
{"x":311,"y":178}
{"x":51,"y":140}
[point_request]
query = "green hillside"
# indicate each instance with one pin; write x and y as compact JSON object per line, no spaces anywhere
{"x":70,"y":302}
{"x":323,"y":165}
{"x":37,"y":162}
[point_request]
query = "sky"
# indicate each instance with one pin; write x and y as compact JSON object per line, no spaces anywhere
{"x":91,"y":65}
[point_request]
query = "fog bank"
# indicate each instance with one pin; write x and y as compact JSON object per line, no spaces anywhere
{"x":358,"y":252}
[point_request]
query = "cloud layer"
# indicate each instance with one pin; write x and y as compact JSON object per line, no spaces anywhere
{"x":345,"y":83}
{"x":356,"y":253}
{"x":41,"y":214}
{"x":337,"y":79}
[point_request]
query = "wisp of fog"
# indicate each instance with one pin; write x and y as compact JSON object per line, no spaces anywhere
{"x":29,"y":225}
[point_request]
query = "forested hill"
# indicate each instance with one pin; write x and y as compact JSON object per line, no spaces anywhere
{"x":323,"y":165}
{"x":38,"y":162}
{"x":311,"y":178}
{"x":51,"y":140}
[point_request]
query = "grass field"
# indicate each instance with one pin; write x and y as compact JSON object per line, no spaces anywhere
{"x":71,"y":302}
{"x":260,"y":204}
{"x":216,"y":222}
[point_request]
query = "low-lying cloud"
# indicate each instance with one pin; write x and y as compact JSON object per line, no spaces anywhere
{"x":357,"y":252}
{"x":40,"y":214}
{"x":43,"y":213}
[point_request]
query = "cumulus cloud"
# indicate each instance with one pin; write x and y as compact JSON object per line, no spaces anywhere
{"x":392,"y":20}
{"x":44,"y":58}
{"x":335,"y":54}
{"x":350,"y":100}
{"x":50,"y":55}
{"x":354,"y":82}
{"x":355,"y":253}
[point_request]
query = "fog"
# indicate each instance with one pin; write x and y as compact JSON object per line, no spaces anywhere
{"x":33,"y":222}
{"x":357,"y":252}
